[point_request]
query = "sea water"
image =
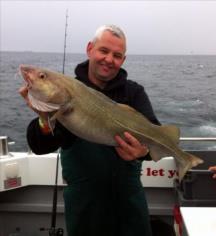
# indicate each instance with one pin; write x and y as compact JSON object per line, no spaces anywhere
{"x":182,"y":90}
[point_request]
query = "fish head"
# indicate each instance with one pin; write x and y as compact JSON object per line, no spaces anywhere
{"x":45,"y":87}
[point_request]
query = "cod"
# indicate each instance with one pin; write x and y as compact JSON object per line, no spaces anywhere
{"x":92,"y":116}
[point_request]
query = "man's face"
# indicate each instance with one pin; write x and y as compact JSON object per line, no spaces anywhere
{"x":106,"y":56}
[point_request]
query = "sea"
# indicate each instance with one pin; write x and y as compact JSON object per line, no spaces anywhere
{"x":182,"y":90}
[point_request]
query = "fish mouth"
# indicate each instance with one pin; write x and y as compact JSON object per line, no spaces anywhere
{"x":25,"y":72}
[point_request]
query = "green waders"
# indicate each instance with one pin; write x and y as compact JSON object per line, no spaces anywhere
{"x":104,"y":195}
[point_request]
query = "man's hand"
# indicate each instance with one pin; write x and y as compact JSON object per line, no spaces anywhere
{"x":130,"y":148}
{"x":213,"y":168}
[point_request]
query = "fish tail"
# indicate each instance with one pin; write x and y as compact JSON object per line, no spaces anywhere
{"x":191,"y":161}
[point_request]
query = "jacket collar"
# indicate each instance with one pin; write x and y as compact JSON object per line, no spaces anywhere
{"x":81,"y":72}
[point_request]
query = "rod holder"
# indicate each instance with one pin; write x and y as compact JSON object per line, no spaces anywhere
{"x":3,"y":145}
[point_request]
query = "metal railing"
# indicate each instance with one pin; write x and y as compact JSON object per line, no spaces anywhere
{"x":209,"y":139}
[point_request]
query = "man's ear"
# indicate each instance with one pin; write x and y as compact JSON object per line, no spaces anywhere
{"x":89,"y":48}
{"x":124,"y":58}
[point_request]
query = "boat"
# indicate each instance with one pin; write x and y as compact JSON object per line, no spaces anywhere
{"x":27,"y":183}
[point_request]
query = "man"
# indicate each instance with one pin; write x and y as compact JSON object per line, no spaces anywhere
{"x":104,"y":195}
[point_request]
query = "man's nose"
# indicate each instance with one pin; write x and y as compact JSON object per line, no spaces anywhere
{"x":109,"y":58}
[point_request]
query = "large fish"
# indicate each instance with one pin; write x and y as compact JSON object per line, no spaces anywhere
{"x":91,"y":115}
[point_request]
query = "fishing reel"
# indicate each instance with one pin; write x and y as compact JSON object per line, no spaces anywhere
{"x":56,"y":232}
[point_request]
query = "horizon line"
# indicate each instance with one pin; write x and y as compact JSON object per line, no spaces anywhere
{"x":129,"y":54}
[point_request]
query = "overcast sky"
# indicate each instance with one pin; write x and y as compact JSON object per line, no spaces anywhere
{"x":152,"y":27}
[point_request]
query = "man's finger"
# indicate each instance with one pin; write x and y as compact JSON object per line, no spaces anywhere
{"x":124,"y":155}
{"x":127,"y":147}
{"x":131,"y":139}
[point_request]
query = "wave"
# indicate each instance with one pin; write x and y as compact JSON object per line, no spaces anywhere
{"x":186,"y":103}
{"x":211,"y":148}
{"x":211,"y":76}
{"x":208,"y":129}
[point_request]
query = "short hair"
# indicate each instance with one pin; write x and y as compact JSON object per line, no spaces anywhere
{"x":115,"y":30}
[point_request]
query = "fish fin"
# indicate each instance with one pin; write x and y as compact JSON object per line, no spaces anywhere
{"x":192,"y":161}
{"x":157,"y":153}
{"x":133,"y":111}
{"x":171,"y":131}
{"x":124,"y":106}
{"x":100,"y":95}
{"x":66,"y":109}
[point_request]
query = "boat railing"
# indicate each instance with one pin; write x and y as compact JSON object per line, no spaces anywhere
{"x":205,"y":139}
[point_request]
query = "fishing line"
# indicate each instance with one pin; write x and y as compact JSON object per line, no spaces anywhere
{"x":53,"y":231}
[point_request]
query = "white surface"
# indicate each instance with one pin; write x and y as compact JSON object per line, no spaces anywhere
{"x":14,"y":165}
{"x":159,"y":174}
{"x":11,"y":170}
{"x":199,"y":221}
{"x":40,"y":170}
{"x":32,"y":169}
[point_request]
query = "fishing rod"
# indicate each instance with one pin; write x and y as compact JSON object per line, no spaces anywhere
{"x":65,"y":37}
{"x":53,"y":231}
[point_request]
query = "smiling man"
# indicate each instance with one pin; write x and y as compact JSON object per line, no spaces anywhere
{"x":104,"y":195}
{"x":107,"y":54}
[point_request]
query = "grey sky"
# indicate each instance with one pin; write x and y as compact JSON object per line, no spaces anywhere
{"x":152,"y":27}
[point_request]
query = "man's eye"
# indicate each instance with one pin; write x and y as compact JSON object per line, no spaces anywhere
{"x":42,"y":75}
{"x":118,"y":56}
{"x":103,"y":51}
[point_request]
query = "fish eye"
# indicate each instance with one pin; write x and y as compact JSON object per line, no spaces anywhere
{"x":42,"y":75}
